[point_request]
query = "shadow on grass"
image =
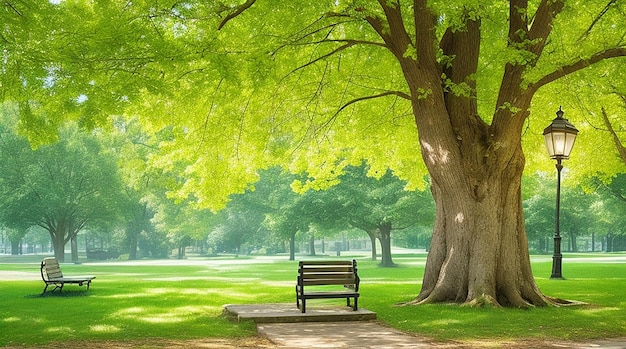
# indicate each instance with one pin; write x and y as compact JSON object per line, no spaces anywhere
{"x":57,"y":294}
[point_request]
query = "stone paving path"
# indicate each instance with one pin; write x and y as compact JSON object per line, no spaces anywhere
{"x":371,"y":334}
{"x":340,"y":327}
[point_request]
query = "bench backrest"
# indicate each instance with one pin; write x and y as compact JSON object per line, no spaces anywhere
{"x":50,"y":269}
{"x":318,"y":273}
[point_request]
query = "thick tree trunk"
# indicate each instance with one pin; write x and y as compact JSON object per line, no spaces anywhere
{"x":385,"y":245}
{"x":479,"y":251}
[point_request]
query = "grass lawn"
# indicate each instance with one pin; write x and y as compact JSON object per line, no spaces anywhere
{"x":184,"y":299}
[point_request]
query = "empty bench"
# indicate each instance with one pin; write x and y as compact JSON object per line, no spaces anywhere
{"x":52,"y":276}
{"x":317,"y":278}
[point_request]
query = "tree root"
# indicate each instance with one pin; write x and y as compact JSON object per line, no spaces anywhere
{"x":485,"y":301}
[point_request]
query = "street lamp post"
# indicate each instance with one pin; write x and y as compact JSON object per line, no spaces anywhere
{"x":559,"y":138}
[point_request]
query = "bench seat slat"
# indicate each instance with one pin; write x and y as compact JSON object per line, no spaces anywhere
{"x":328,"y":276}
{"x":328,"y":294}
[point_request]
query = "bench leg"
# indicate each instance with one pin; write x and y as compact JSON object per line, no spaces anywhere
{"x":355,"y":308}
{"x":303,"y":308}
{"x":297,"y":298}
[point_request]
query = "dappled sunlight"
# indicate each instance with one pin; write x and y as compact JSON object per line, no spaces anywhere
{"x":105,"y":328}
{"x":460,"y":217}
{"x":11,"y":319}
{"x":126,"y":295}
{"x":600,"y":310}
{"x":151,"y":292}
{"x":166,"y":315}
{"x":203,"y":278}
{"x":443,"y":322}
{"x":435,"y":156}
{"x":60,"y":329}
{"x":278,"y":283}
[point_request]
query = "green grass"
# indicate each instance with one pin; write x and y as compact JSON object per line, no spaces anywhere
{"x":170,"y":301}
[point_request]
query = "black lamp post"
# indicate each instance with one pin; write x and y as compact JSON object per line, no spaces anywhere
{"x":559,"y":137}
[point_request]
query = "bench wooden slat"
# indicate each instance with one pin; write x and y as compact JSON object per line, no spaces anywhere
{"x":321,"y":282}
{"x":307,"y":270}
{"x":327,"y":275}
{"x":321,"y":262}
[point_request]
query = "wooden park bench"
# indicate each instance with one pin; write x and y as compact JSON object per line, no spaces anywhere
{"x":51,"y":275}
{"x":323,"y":274}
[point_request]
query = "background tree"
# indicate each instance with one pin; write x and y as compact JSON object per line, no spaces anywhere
{"x":62,"y":187}
{"x":378,"y":204}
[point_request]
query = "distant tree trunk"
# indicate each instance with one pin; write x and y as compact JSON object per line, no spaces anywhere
{"x":57,"y":231}
{"x":593,"y":241}
{"x":385,"y":245}
{"x":312,"y":245}
{"x":292,"y":247}
{"x":74,"y":246}
{"x":58,"y":242}
{"x":132,"y":245}
{"x":372,"y":234}
{"x":16,"y":247}
{"x":572,"y":241}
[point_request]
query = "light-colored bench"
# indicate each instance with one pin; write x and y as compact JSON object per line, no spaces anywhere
{"x":323,"y":273}
{"x":51,"y":275}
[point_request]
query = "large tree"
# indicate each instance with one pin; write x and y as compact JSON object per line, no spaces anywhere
{"x":318,"y":87}
{"x":63,"y":187}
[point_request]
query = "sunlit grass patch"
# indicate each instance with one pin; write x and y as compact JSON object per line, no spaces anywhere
{"x":104,"y":328}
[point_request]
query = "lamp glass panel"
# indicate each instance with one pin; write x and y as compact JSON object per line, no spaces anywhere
{"x":549,"y":145}
{"x":569,"y":143}
{"x":559,"y":142}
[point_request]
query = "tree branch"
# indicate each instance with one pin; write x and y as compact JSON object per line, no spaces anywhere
{"x":364,"y":98}
{"x":597,"y":19}
{"x":239,"y":10}
{"x":542,"y":25}
{"x":348,"y":44}
{"x":578,"y":65}
{"x":620,"y":147}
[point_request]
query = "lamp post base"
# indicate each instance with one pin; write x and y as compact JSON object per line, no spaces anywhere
{"x":557,"y":261}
